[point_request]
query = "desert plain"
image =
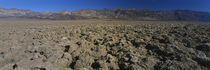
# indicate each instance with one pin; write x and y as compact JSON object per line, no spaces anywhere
{"x":104,"y":45}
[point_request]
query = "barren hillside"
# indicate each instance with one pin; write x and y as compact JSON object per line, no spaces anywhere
{"x":115,"y":14}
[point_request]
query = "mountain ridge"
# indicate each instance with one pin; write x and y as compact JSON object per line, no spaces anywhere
{"x":120,"y":14}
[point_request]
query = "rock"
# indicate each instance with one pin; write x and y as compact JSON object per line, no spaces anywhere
{"x":134,"y":59}
{"x":67,"y":48}
{"x":202,"y":60}
{"x":96,"y":65}
{"x":136,"y":67}
{"x":174,"y":65}
{"x":204,"y":48}
{"x":67,"y":56}
{"x":64,"y":38}
{"x":15,"y":67}
{"x":208,"y":44}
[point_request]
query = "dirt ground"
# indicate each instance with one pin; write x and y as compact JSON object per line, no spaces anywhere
{"x":104,"y":45}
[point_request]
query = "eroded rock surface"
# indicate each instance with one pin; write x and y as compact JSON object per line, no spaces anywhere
{"x":104,"y":45}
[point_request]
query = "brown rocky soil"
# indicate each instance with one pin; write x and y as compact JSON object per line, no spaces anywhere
{"x":104,"y":45}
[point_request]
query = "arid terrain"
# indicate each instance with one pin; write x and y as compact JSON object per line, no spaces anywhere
{"x":104,"y":45}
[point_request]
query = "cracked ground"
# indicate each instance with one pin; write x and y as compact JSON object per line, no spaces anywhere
{"x":104,"y":45}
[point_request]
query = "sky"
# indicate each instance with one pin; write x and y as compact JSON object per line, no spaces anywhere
{"x":72,"y":5}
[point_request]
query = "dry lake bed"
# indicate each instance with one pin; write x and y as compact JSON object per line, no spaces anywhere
{"x":104,"y":45}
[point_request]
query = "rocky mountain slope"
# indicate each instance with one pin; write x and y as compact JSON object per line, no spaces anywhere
{"x":122,"y":14}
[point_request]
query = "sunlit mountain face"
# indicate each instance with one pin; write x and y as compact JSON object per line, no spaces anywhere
{"x":120,"y":14}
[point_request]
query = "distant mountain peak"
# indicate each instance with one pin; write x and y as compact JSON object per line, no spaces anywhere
{"x":123,"y":14}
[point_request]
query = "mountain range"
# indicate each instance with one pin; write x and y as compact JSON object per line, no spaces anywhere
{"x":118,"y":14}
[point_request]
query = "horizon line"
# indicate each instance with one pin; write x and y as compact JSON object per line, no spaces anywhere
{"x":104,"y":9}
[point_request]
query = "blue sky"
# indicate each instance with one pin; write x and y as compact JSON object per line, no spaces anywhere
{"x":71,"y":5}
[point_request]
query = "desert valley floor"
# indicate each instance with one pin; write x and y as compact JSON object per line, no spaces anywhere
{"x":104,"y":45}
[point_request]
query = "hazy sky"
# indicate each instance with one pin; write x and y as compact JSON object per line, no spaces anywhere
{"x":59,"y":5}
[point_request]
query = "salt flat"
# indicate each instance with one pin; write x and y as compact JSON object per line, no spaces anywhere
{"x":105,"y":45}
